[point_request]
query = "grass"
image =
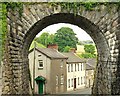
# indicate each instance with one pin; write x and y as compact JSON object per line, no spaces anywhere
{"x":38,"y":45}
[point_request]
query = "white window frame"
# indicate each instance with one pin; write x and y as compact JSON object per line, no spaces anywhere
{"x":61,"y":63}
{"x":81,"y":67}
{"x":71,"y":67}
{"x":78,"y":66}
{"x":72,"y":82}
{"x":68,"y":83}
{"x":75,"y":67}
{"x":62,"y":79}
{"x":40,"y":61}
{"x":81,"y":80}
{"x":56,"y":79}
{"x":78,"y":81}
{"x":68,"y":67}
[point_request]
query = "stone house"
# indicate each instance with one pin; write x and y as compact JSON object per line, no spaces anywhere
{"x":48,"y":70}
{"x":75,"y":71}
{"x":90,"y":67}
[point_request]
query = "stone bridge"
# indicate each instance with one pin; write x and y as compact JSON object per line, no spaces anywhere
{"x":101,"y":23}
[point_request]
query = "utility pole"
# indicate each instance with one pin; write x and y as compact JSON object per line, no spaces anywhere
{"x":34,"y":68}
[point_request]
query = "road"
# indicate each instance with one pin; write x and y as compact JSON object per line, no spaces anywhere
{"x":80,"y":91}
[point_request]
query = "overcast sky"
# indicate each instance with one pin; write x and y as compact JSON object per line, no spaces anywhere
{"x":81,"y":34}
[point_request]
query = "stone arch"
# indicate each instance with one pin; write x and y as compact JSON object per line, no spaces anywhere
{"x":82,"y":22}
{"x":70,"y":18}
{"x":102,"y":26}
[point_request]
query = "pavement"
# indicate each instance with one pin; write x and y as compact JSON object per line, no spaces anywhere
{"x":86,"y":91}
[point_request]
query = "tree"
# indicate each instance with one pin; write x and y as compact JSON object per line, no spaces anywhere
{"x":89,"y":49}
{"x":45,"y":38}
{"x":51,"y":39}
{"x":65,"y":36}
{"x":67,"y":49}
{"x":88,"y":55}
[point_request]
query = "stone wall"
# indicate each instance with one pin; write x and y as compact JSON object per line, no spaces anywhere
{"x":102,"y":25}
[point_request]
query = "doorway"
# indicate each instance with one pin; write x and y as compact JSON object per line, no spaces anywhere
{"x":74,"y":83}
{"x":40,"y":87}
{"x":40,"y":81}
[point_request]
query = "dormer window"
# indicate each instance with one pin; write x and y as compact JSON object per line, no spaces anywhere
{"x":40,"y":63}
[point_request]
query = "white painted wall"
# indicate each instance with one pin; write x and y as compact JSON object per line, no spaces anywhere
{"x":45,"y":72}
{"x":89,"y":78}
{"x":76,"y":74}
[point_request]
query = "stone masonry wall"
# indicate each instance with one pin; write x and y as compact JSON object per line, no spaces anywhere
{"x":102,"y":26}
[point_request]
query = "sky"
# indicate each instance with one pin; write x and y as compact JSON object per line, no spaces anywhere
{"x":80,"y":33}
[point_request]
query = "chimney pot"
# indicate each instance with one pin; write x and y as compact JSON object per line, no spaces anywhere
{"x":54,"y":46}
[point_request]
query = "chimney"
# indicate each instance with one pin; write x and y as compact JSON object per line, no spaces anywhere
{"x":72,"y":50}
{"x":54,"y":46}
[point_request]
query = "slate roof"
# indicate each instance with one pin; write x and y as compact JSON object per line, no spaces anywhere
{"x":91,"y":63}
{"x":51,"y":53}
{"x":73,"y":58}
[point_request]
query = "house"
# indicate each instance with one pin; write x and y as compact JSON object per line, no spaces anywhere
{"x":75,"y":71}
{"x":90,"y":66}
{"x":48,"y":70}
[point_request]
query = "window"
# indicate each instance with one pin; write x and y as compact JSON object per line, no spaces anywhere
{"x":84,"y":79}
{"x":78,"y":81}
{"x":68,"y":83}
{"x":71,"y":82}
{"x":75,"y":67}
{"x":57,"y":80}
{"x":40,"y":62}
{"x":71,"y":67}
{"x":39,"y":55}
{"x":81,"y":81}
{"x":78,"y":67}
{"x":68,"y":67}
{"x":61,"y":64}
{"x":81,"y":67}
{"x":62,"y":79}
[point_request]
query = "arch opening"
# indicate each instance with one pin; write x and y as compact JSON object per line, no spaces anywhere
{"x":90,"y":28}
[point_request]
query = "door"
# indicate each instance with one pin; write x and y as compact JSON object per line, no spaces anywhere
{"x":74,"y":83}
{"x":40,"y":87}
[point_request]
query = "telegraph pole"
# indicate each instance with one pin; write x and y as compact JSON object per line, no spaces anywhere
{"x":34,"y":68}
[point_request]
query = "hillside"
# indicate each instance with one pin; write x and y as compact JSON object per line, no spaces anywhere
{"x":37,"y":45}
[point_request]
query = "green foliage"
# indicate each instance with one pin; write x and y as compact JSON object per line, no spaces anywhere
{"x":15,"y":6}
{"x":89,"y":52}
{"x":67,"y":49}
{"x":38,"y":45}
{"x":3,"y":21}
{"x":88,"y":55}
{"x":90,"y":5}
{"x":3,"y":27}
{"x":89,"y":49}
{"x":65,"y":37}
{"x":80,"y":43}
{"x":51,"y":39}
{"x":85,"y":42}
{"x":45,"y":38}
{"x":87,"y":4}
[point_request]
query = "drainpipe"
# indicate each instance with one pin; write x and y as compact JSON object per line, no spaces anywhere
{"x":34,"y":69}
